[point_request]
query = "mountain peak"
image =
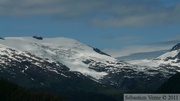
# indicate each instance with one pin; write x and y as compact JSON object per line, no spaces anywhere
{"x":176,"y":47}
{"x":67,"y":51}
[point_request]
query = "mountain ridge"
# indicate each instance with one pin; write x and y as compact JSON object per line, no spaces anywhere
{"x":176,"y":47}
{"x":169,"y":58}
{"x":41,"y":62}
{"x":52,"y":48}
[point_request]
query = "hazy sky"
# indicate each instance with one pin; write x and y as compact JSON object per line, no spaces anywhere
{"x":119,"y":27}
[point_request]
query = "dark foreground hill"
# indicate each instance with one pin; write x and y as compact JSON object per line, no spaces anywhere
{"x":13,"y":92}
{"x":172,"y":85}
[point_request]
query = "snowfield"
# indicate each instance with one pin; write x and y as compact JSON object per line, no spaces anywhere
{"x":169,"y":58}
{"x":70,"y":52}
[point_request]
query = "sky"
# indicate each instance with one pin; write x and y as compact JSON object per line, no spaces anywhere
{"x":118,"y":27}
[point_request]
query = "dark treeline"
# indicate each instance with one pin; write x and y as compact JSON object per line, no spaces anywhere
{"x":13,"y":92}
{"x":172,"y":85}
{"x":87,"y":96}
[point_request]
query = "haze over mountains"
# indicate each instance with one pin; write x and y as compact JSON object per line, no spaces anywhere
{"x":143,"y":55}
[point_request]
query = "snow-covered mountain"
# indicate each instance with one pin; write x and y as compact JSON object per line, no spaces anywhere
{"x":66,"y":51}
{"x":40,"y":60}
{"x":169,"y":60}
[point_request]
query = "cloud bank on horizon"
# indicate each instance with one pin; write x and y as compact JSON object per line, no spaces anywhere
{"x":153,"y":47}
{"x":129,"y":13}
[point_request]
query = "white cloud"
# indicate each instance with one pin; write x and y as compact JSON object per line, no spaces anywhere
{"x":166,"y":44}
{"x":119,"y":12}
{"x":142,"y":17}
{"x":67,"y":8}
{"x":136,"y":49}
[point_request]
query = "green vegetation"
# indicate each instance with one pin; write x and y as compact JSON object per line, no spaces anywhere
{"x":69,"y":90}
{"x":13,"y":92}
